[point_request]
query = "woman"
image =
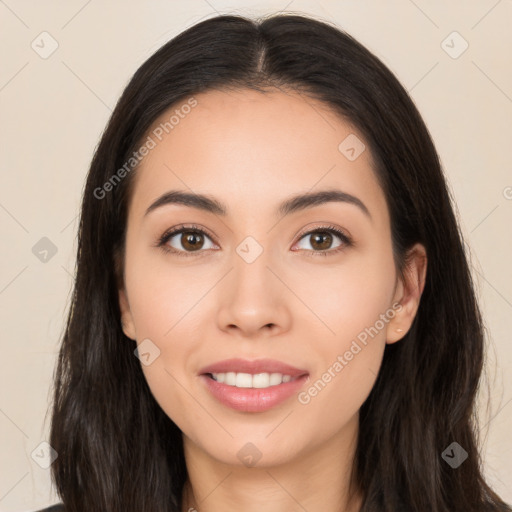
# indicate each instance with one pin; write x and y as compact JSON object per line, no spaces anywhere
{"x":255,"y":374}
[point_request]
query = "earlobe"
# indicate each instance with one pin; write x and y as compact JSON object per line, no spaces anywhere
{"x":124,"y":306}
{"x":126,"y":315}
{"x":408,"y":293}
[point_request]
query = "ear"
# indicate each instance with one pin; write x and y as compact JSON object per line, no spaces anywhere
{"x":124,"y":306}
{"x":126,"y":315}
{"x":408,"y":293}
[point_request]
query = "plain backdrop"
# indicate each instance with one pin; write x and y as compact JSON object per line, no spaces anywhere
{"x":63,"y":67}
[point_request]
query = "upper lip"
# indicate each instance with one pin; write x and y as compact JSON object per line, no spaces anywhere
{"x":253,"y":366}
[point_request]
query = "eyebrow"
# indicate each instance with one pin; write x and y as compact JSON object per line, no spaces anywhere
{"x":291,"y":205}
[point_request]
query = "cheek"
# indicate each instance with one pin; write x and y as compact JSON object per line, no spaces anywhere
{"x":163,"y":296}
{"x":164,"y":304}
{"x":355,"y":307}
{"x":346,"y":364}
{"x":333,"y":398}
{"x":167,"y":316}
{"x":349,"y":296}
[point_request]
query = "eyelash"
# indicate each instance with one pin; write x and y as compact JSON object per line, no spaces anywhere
{"x":162,"y":241}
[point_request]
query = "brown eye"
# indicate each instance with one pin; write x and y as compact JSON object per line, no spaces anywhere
{"x":185,"y":241}
{"x":191,"y":240}
{"x":321,"y":240}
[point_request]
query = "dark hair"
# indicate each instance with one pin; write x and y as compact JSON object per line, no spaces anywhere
{"x":117,"y":450}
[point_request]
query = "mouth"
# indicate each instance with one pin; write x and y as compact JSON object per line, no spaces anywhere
{"x":252,"y":386}
{"x":248,"y":380}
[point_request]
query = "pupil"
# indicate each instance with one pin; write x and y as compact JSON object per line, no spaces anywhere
{"x":326,"y":237}
{"x":191,"y":240}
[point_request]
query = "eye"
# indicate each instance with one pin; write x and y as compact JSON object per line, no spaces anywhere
{"x":322,"y":240}
{"x":191,"y":239}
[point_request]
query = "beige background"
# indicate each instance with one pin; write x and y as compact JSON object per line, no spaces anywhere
{"x":53,"y":111}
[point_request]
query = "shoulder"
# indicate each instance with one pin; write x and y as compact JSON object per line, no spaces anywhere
{"x":53,"y":508}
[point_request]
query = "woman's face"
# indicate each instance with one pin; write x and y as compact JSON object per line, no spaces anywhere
{"x":255,"y":286}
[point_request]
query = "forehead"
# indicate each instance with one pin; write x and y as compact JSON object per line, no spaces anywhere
{"x":251,"y":149}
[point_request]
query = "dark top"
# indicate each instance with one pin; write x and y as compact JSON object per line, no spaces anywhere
{"x":60,"y":508}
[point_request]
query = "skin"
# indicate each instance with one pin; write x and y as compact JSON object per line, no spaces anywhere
{"x":252,"y":151}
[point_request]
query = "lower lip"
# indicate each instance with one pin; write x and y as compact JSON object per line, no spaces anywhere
{"x":252,"y":399}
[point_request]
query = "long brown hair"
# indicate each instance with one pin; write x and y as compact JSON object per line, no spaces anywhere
{"x":117,"y":450}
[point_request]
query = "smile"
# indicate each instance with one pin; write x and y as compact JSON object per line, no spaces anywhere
{"x":247,"y":380}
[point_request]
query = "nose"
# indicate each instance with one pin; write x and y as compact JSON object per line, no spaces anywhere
{"x":253,"y":300}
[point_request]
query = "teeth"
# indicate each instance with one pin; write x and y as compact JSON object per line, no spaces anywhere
{"x":248,"y":380}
